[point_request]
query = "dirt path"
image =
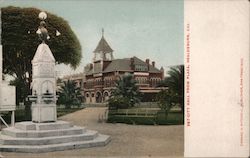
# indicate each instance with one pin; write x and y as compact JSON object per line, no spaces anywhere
{"x":127,"y":140}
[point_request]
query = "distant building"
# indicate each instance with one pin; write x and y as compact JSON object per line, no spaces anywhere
{"x":79,"y":78}
{"x":101,"y":74}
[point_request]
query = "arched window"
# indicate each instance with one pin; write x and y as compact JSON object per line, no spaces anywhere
{"x":87,"y":95}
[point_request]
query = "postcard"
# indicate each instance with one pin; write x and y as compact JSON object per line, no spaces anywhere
{"x":124,"y":78}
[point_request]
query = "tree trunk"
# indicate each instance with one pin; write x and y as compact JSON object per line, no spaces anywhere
{"x":166,"y":114}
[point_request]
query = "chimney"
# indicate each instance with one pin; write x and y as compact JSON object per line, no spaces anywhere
{"x":147,"y":61}
{"x":153,"y":63}
{"x":162,"y":73}
{"x":91,"y":66}
{"x":132,"y":63}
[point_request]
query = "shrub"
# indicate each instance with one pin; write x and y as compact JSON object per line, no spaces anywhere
{"x":118,"y":103}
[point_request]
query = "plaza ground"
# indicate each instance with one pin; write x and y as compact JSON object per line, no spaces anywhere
{"x":127,"y":140}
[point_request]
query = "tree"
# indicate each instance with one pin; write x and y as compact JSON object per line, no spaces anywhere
{"x":127,"y":89}
{"x":69,"y":94}
{"x":19,"y":39}
{"x":175,"y":83}
{"x":165,"y":101}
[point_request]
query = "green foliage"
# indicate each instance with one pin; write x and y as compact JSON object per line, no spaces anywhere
{"x":20,"y":41}
{"x":127,"y":89}
{"x":118,"y":103}
{"x":147,"y":118}
{"x":165,"y":100}
{"x":175,"y":84}
{"x":69,"y":94}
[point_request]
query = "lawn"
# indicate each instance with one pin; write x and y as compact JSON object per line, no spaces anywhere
{"x":145,"y":116}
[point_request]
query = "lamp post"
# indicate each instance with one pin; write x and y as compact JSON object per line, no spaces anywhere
{"x":43,"y":78}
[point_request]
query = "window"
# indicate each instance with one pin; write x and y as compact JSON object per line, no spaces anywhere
{"x":141,"y":68}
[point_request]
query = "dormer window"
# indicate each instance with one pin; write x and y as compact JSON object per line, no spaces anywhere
{"x":141,"y":68}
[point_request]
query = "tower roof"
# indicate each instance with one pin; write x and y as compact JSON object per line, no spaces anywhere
{"x":103,"y":46}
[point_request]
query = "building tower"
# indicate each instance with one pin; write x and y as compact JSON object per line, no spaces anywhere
{"x":103,"y":54}
{"x":103,"y":51}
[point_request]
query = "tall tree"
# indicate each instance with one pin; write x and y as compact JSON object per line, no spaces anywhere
{"x":20,"y":41}
{"x":175,"y":83}
{"x":126,"y":88}
{"x":69,"y":94}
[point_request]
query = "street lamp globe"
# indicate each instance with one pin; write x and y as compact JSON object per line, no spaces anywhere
{"x":42,"y":15}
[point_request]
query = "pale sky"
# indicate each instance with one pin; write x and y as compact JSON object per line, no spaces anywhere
{"x":144,"y":28}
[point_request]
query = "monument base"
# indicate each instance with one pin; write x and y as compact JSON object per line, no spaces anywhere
{"x":33,"y":137}
{"x":43,"y":113}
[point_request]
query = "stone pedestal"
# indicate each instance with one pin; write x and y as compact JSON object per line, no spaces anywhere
{"x":43,"y":113}
{"x":33,"y":137}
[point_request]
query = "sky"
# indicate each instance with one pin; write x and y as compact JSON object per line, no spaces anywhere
{"x":144,"y":28}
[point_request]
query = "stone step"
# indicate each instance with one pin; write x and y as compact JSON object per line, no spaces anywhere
{"x":14,"y":132}
{"x":28,"y":125}
{"x":88,"y":135}
{"x":100,"y":140}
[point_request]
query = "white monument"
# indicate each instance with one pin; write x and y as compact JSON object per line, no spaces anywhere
{"x":7,"y":93}
{"x":45,"y":133}
{"x":43,"y":85}
{"x":43,"y":79}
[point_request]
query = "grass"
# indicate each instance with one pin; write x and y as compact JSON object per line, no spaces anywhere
{"x":145,"y":116}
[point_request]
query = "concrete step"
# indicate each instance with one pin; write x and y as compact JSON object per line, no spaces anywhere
{"x":14,"y":132}
{"x":88,"y":135}
{"x":100,"y":140}
{"x":28,"y":125}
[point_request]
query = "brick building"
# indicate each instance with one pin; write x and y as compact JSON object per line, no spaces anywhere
{"x":101,"y":74}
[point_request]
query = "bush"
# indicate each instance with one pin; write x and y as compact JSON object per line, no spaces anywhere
{"x":118,"y":103}
{"x":174,"y":118}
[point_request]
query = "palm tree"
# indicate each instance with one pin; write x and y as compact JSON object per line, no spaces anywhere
{"x":126,"y":88}
{"x":175,"y":83}
{"x":69,"y":94}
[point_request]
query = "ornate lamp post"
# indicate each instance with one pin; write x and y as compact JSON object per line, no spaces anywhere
{"x":43,"y":79}
{"x":42,"y":31}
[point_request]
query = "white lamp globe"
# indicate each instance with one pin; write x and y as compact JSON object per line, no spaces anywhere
{"x":42,"y":15}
